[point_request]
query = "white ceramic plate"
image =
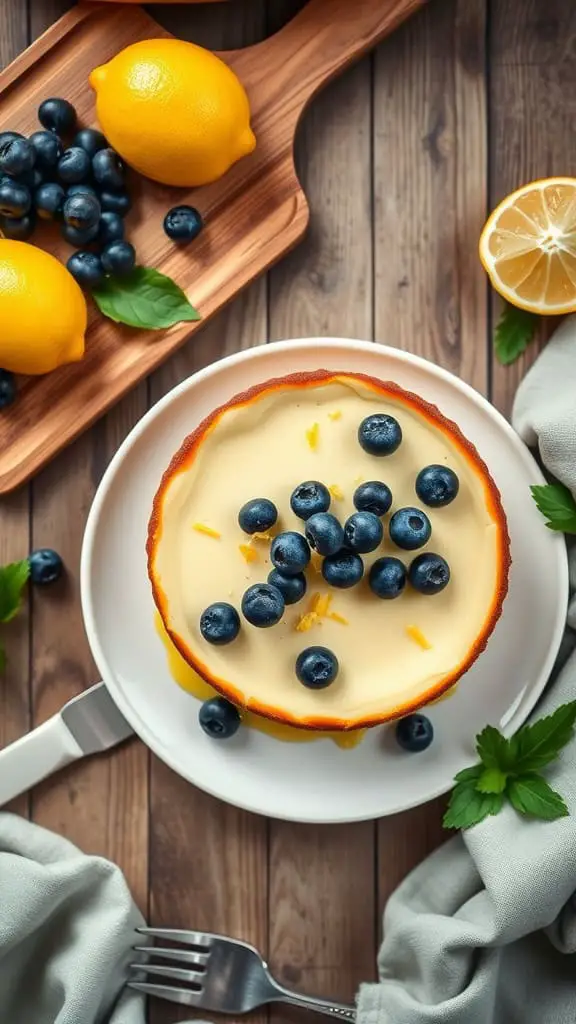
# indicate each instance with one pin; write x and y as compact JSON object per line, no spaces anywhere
{"x":315,"y":782}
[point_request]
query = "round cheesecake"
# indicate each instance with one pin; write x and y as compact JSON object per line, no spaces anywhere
{"x":394,"y":656}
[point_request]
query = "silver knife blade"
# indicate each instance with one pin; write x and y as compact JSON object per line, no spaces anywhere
{"x":95,"y":721}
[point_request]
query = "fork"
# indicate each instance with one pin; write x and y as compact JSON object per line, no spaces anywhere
{"x":220,"y":974}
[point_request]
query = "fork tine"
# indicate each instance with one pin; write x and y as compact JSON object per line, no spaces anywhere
{"x":203,"y":940}
{"x":185,"y":956}
{"x":183,"y":996}
{"x":175,"y":973}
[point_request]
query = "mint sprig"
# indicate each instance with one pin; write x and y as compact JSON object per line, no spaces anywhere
{"x":13,"y":579}
{"x":509,"y":772}
{"x":557,"y":505}
{"x":145,"y":299}
{"x":514,"y":332}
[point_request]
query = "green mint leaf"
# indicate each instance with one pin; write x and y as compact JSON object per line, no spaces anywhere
{"x":469,"y":774}
{"x":146,"y":299}
{"x":492,"y":780}
{"x":531,"y":795}
{"x":468,"y":807}
{"x":557,"y":505}
{"x":537,"y":745}
{"x":514,"y":332}
{"x":493,"y":748}
{"x":13,"y":579}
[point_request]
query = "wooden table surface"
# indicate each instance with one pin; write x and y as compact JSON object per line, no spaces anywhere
{"x":400,"y":159}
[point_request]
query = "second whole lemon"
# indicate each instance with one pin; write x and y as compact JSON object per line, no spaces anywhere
{"x":174,"y":111}
{"x":43,"y":312}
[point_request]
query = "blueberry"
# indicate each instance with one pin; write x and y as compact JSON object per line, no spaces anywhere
{"x":343,"y":570}
{"x":118,"y":258}
{"x":263,"y":605}
{"x":7,"y":388}
{"x":111,"y":229}
{"x":17,"y":156}
{"x":308,"y":498}
{"x":90,"y":140}
{"x":8,"y":136}
{"x":18,"y":229}
{"x":82,"y":211}
{"x":373,"y":496}
{"x":48,"y":149}
{"x":183,"y":223}
{"x":219,"y":718}
{"x":290,"y":553}
{"x":73,"y":166}
{"x":32,"y":179}
{"x":82,"y":189}
{"x":257,"y":515}
{"x":414,"y":733}
{"x":220,"y":623}
{"x":57,"y":115}
{"x":437,"y":486}
{"x":324,"y":533}
{"x":15,"y":199}
{"x":292,"y":588}
{"x":387,"y":578}
{"x":86,"y":268}
{"x":108,"y":169}
{"x":46,"y":566}
{"x":317,"y":667}
{"x":429,"y":573}
{"x":380,"y":434}
{"x":49,"y":201}
{"x":410,"y":528}
{"x":79,"y":236}
{"x":115,"y":202}
{"x":363,"y":532}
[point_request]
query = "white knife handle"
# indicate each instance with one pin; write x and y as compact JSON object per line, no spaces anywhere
{"x":38,"y":754}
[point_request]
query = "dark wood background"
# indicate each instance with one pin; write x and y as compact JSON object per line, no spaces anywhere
{"x":400,"y":159}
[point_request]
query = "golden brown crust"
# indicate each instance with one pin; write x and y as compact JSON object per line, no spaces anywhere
{"x":186,"y":454}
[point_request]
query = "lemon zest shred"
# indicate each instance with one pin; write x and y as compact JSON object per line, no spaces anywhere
{"x":306,"y":621}
{"x":207,"y":530}
{"x":323,"y":605}
{"x":418,"y":636}
{"x":313,"y":435}
{"x":336,"y":492}
{"x":316,"y":561}
{"x":248,"y":553}
{"x":261,"y":536}
{"x":338,"y":618}
{"x":336,"y":415}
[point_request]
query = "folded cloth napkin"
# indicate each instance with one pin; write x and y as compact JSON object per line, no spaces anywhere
{"x":483,"y":931}
{"x":66,"y":928}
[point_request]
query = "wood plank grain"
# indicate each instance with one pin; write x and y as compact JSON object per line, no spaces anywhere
{"x":430,"y":298}
{"x":101,"y":804}
{"x":532,"y":114}
{"x":15,"y":509}
{"x":208,"y":861}
{"x":322,"y":887}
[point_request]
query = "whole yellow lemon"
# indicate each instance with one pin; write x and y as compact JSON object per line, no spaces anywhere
{"x":174,"y":111}
{"x":43,"y":313}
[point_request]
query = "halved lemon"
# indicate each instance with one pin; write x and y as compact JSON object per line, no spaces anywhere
{"x":528,"y":247}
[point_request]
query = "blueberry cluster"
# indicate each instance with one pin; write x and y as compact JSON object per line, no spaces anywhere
{"x":341,"y":547}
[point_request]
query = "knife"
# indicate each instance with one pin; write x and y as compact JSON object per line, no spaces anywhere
{"x":87,"y":724}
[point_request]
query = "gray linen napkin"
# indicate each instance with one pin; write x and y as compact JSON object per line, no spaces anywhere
{"x":66,"y":927}
{"x":484,"y":931}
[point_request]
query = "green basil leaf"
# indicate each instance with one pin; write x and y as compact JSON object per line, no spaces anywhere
{"x":514,"y":332}
{"x":13,"y":579}
{"x":145,"y":299}
{"x":557,"y":505}
{"x":531,"y":795}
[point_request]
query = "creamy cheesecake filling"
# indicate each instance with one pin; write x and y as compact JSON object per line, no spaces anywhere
{"x":393,"y":654}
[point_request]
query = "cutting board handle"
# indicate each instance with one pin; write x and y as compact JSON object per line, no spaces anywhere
{"x":326,"y":36}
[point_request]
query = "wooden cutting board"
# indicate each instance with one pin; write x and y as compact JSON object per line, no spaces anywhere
{"x":253,"y":215}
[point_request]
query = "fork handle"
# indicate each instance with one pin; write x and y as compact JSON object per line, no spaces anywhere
{"x":338,"y":1011}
